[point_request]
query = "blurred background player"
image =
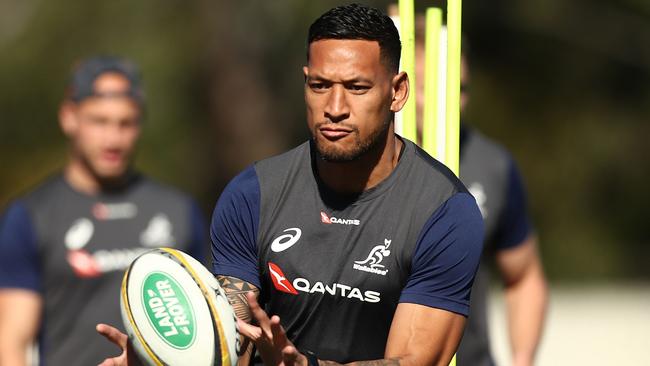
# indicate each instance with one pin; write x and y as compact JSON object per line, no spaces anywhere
{"x":65,"y":245}
{"x":489,"y":172}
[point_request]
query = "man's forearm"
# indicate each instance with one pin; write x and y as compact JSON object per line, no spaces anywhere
{"x":526,"y":301}
{"x":236,"y":291}
{"x":19,"y":322}
{"x":382,"y":362}
{"x":13,"y":352}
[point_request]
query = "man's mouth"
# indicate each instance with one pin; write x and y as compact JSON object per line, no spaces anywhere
{"x":334,"y":132}
{"x":112,"y":156}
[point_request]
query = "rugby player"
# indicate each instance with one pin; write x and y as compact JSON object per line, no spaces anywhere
{"x":65,"y":245}
{"x":388,"y":280}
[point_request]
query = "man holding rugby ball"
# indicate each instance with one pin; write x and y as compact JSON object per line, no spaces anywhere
{"x":359,"y":246}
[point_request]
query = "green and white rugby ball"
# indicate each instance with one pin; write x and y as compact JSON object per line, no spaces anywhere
{"x":175,"y":312}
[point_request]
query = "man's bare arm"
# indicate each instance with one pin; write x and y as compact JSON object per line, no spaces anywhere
{"x":419,"y":335}
{"x":382,"y":362}
{"x":526,"y":297}
{"x":236,"y":291}
{"x":20,"y":312}
{"x":422,"y":335}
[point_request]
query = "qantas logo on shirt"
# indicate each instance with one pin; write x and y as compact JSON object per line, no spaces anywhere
{"x":372,"y":263}
{"x":335,"y":220}
{"x":88,"y":265}
{"x":281,"y":283}
{"x":280,"y":280}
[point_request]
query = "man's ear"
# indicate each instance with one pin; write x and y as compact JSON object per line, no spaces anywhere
{"x":400,"y":90}
{"x":305,"y":72}
{"x":68,"y":118}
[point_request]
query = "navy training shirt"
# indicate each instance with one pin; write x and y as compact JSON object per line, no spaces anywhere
{"x":73,"y":248}
{"x":333,"y":267}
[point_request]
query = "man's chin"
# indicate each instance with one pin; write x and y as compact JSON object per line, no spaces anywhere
{"x":111,"y":174}
{"x":335,"y":155}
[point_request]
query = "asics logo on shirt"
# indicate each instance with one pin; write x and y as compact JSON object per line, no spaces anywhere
{"x":79,"y":233}
{"x":286,"y":241}
{"x":335,"y":220}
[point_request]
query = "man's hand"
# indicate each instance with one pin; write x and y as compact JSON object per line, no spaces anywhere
{"x":127,"y":357}
{"x":269,"y":338}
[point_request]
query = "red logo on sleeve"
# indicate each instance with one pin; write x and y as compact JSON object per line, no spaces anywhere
{"x":280,"y":281}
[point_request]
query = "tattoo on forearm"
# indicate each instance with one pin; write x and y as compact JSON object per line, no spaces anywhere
{"x":384,"y":362}
{"x":236,"y":291}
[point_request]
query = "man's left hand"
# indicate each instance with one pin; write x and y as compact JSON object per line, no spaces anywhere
{"x":270,"y":338}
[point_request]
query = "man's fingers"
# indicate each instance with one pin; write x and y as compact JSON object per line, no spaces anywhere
{"x":290,"y":355}
{"x":258,"y":313}
{"x":249,"y":331}
{"x":113,"y":335}
{"x":281,"y":342}
{"x":279,"y":336}
{"x":108,"y":362}
{"x":121,"y":340}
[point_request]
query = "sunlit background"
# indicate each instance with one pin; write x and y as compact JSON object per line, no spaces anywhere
{"x":565,"y":85}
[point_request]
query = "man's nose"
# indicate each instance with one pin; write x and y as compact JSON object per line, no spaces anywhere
{"x":114,"y":134}
{"x":337,"y":108}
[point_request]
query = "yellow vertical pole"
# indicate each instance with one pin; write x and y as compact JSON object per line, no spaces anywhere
{"x":452,"y":152}
{"x":407,"y":30}
{"x":453,"y":84}
{"x":431,"y":52}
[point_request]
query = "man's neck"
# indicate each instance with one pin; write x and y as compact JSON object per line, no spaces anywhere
{"x":364,"y":173}
{"x":83,"y":180}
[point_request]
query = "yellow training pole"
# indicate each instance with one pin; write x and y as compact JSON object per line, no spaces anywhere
{"x":431,"y":56}
{"x":452,"y":127}
{"x":407,"y":33}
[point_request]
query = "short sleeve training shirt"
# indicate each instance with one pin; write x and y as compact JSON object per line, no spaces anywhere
{"x":73,"y":248}
{"x":334,"y":267}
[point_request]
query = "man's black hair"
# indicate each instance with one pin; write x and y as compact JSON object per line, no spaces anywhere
{"x":356,"y":21}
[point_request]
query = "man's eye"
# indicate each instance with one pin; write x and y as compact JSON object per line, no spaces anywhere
{"x":317,"y":85}
{"x":356,"y":87}
{"x":96,"y":120}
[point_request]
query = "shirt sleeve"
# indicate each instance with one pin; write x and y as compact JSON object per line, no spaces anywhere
{"x":234,"y":229}
{"x":446,"y":256}
{"x":514,"y":225}
{"x":198,"y":245}
{"x":19,"y":260}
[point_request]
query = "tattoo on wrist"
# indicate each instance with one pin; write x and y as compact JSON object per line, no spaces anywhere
{"x":236,"y":291}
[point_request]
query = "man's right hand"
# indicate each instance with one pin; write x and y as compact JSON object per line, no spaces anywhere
{"x":127,"y":357}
